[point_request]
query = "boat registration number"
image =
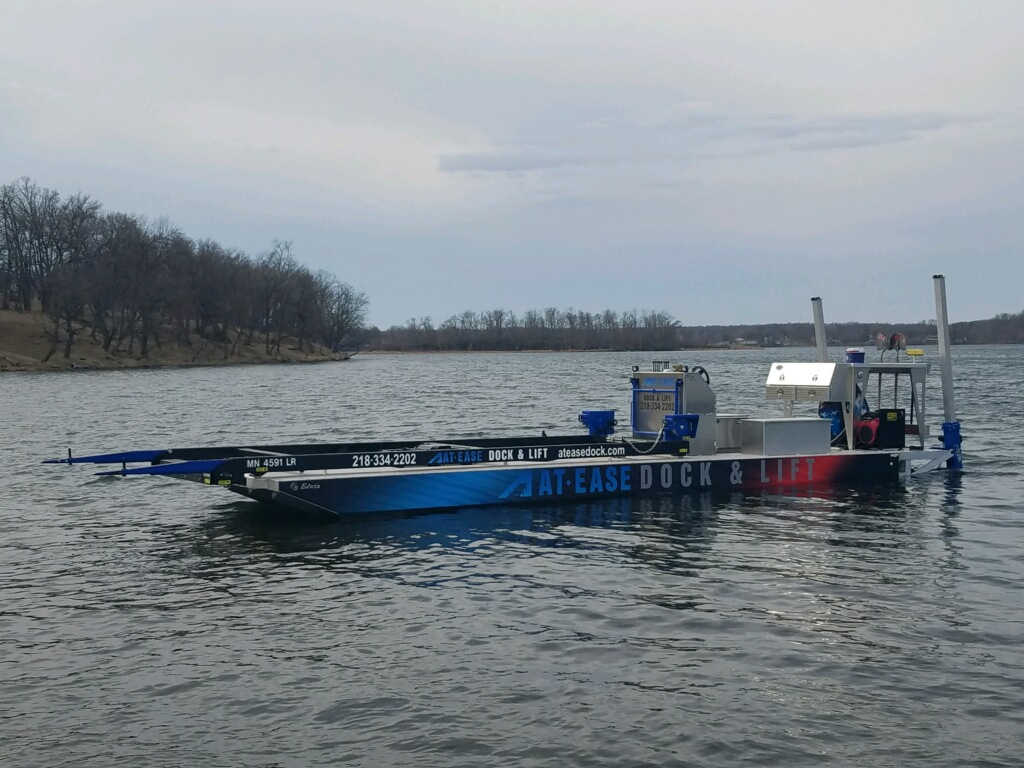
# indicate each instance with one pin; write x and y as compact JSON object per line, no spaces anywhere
{"x":384,"y":459}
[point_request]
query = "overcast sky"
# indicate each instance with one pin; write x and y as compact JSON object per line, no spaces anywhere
{"x":719,"y":161}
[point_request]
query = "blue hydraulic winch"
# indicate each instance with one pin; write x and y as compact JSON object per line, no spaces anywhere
{"x":598,"y":423}
{"x":681,"y":426}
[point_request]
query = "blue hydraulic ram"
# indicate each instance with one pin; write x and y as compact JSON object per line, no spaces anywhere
{"x":122,"y":457}
{"x":177,"y":468}
{"x":951,"y":440}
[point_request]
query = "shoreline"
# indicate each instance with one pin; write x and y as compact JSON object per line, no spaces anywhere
{"x":62,"y":365}
{"x":370,"y":352}
{"x":148,"y":365}
{"x":25,"y":347}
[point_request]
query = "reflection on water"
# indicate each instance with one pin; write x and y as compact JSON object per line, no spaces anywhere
{"x":242,"y":528}
{"x":680,"y":517}
{"x":953,"y":482}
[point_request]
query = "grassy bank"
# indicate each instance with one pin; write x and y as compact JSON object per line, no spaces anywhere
{"x":25,"y":345}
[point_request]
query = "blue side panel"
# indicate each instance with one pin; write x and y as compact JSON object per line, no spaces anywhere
{"x":461,"y":489}
{"x":396,"y":492}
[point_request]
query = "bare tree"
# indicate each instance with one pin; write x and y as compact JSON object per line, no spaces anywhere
{"x":127,"y":282}
{"x":345,"y":318}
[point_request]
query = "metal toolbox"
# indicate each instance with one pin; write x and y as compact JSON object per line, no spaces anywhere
{"x":808,"y":381}
{"x":785,"y":437}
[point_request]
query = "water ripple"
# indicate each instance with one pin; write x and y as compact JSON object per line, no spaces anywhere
{"x":162,"y":623}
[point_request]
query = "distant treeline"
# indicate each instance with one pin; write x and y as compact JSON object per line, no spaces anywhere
{"x":557,"y":329}
{"x":130,"y":283}
{"x":499,"y":329}
{"x":1002,"y":329}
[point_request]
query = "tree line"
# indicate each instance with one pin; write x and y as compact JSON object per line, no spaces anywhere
{"x":130,"y":283}
{"x":535,"y":329}
{"x":1002,"y":329}
{"x":570,"y":329}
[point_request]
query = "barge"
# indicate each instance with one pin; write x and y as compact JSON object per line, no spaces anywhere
{"x":868,"y":427}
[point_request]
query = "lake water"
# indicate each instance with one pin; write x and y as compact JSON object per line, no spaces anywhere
{"x":152,"y":622}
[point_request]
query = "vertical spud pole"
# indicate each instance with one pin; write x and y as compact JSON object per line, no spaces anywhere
{"x":950,"y":427}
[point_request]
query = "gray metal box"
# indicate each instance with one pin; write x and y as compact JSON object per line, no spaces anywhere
{"x":729,"y":437}
{"x":785,"y":437}
{"x":808,"y":381}
{"x":658,"y":393}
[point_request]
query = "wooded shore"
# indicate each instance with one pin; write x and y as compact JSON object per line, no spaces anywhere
{"x":26,"y":345}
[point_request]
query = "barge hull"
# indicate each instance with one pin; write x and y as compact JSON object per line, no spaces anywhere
{"x":344,"y":493}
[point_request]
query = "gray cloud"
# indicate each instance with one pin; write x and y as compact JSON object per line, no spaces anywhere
{"x":850,"y":141}
{"x":508,"y":162}
{"x":701,"y":134}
